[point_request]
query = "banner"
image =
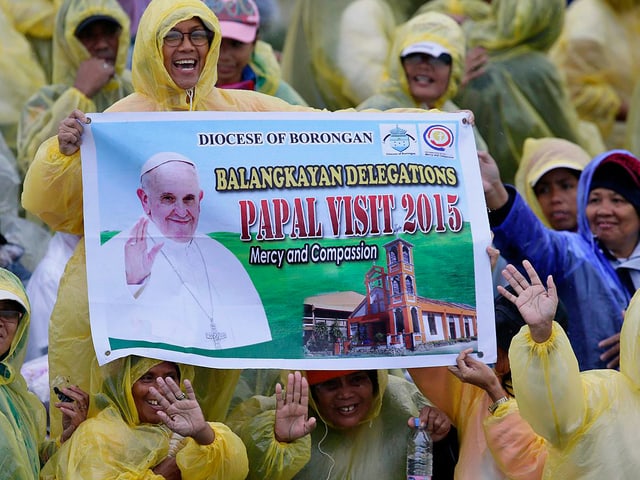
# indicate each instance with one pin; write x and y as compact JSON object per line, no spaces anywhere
{"x":279,"y":240}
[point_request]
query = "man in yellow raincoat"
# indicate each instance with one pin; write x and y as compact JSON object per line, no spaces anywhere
{"x":80,"y":79}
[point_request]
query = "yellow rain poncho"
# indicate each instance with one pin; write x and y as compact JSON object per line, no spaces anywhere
{"x":374,"y":449}
{"x":35,"y":20}
{"x":23,"y":419}
{"x":599,"y":55}
{"x":335,"y":50}
{"x":521,"y":94}
{"x":52,"y":103}
{"x":394,"y":91}
{"x":590,"y":419}
{"x":21,"y":76}
{"x":53,"y":191}
{"x":541,"y":155}
{"x":115,"y":445}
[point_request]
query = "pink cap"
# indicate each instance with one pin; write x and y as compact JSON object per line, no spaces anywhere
{"x":239,"y":19}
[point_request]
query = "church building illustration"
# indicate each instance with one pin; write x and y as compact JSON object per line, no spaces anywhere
{"x":393,"y":312}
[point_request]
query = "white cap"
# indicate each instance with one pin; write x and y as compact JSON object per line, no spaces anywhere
{"x":161,"y":158}
{"x":429,"y":48}
{"x":7,"y":295}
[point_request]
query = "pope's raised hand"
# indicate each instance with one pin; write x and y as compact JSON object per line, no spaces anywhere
{"x":137,"y":259}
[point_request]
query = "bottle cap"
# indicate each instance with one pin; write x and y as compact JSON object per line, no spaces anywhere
{"x":416,"y":422}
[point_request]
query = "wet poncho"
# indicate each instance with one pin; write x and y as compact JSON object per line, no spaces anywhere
{"x":53,"y":192}
{"x":599,"y":57}
{"x":23,"y":419}
{"x":521,"y":94}
{"x":44,"y":111}
{"x":590,"y":419}
{"x":113,"y":444}
{"x":374,"y":449}
{"x":543,"y":155}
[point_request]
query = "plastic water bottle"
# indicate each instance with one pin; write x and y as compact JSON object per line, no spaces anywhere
{"x":419,"y":454}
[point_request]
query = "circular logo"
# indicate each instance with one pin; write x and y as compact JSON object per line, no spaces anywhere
{"x":438,"y":137}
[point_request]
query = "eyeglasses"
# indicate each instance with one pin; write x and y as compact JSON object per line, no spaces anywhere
{"x":443,"y":60}
{"x":10,"y":317}
{"x":198,"y":38}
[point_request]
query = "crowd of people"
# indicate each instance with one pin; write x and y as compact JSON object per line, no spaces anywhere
{"x":553,"y":89}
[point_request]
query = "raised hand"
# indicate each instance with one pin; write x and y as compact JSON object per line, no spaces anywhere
{"x":435,"y":421}
{"x":73,"y":412}
{"x":137,"y":260}
{"x":70,"y":132}
{"x":473,"y":371}
{"x":292,"y":409}
{"x":536,"y":304}
{"x":180,"y":412}
{"x":495,"y":194}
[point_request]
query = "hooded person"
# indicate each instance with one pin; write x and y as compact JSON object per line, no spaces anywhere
{"x":127,"y":436}
{"x":521,"y":93}
{"x":548,"y":176}
{"x":23,"y":418}
{"x":437,"y":42}
{"x":432,"y":36}
{"x":589,"y":265}
{"x":90,"y":43}
{"x":589,"y":420}
{"x":246,"y":62}
{"x":368,"y":442}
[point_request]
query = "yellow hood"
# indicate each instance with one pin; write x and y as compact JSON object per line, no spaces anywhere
{"x":12,"y":362}
{"x":150,"y":78}
{"x":427,"y":27}
{"x":540,"y":155}
{"x":69,"y":52}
